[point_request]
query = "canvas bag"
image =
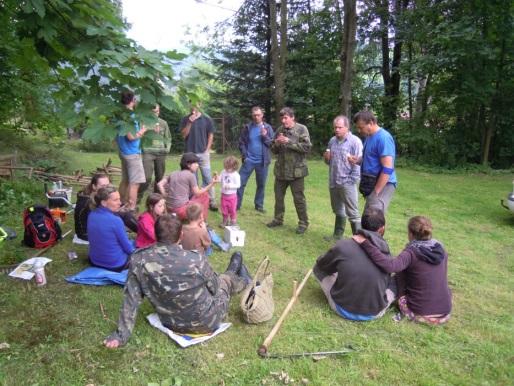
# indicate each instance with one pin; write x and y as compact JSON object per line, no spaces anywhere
{"x":257,"y":298}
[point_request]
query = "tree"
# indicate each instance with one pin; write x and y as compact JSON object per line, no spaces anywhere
{"x":85,"y":59}
{"x":348,"y":29}
{"x":278,"y":53}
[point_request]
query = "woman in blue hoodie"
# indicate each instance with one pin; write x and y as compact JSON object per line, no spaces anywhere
{"x":109,"y":245}
{"x":422,"y":279}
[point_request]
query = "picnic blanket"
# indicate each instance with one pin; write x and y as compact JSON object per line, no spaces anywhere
{"x":185,"y":340}
{"x":98,"y":276}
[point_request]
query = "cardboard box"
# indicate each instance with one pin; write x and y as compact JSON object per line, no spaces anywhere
{"x":235,"y":236}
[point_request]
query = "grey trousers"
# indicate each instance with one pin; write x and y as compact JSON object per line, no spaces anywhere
{"x":382,"y":200}
{"x":345,"y":201}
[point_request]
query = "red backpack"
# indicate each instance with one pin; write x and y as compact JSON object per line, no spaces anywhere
{"x":41,"y":230}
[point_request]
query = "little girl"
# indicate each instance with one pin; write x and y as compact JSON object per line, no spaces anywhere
{"x":155,"y":207}
{"x":230,"y":182}
{"x":194,"y":234}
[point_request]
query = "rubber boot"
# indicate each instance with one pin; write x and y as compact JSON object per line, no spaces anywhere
{"x":356,"y":226}
{"x":235,"y":263}
{"x":339,"y":225}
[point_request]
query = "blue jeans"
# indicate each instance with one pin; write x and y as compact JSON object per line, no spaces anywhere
{"x":205,"y":171}
{"x":261,"y":174}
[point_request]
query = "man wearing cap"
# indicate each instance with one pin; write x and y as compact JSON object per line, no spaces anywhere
{"x":180,"y":188}
{"x":197,"y":129}
{"x":378,"y":178}
{"x":188,"y":296}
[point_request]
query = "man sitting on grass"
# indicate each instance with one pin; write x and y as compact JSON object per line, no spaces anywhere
{"x":187,"y":294}
{"x":354,"y":286}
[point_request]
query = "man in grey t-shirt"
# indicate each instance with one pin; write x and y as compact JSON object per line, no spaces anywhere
{"x":197,"y":130}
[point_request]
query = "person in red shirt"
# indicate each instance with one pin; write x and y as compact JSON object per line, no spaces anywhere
{"x":155,"y":207}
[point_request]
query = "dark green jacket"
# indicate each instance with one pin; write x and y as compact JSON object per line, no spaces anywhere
{"x":157,"y":143}
{"x":291,"y":160}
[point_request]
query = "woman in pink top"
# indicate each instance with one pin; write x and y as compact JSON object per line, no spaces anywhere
{"x":155,"y":207}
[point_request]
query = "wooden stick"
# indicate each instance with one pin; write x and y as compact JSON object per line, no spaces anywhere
{"x":263,"y":350}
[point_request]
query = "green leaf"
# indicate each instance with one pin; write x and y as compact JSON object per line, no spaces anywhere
{"x":39,"y":7}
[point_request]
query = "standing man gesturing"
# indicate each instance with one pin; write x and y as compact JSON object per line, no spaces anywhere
{"x":343,"y":177}
{"x":129,"y":144}
{"x":254,"y":145}
{"x":291,"y":145}
{"x":378,"y":178}
{"x":198,"y":133}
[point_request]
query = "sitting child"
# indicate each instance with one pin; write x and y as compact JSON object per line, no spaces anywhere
{"x":194,"y":234}
{"x":155,"y":207}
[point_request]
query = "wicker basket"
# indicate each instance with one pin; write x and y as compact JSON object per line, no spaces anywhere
{"x":257,"y":299}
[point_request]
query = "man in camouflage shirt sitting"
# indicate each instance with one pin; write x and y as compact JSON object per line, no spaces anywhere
{"x":291,"y":145}
{"x":187,"y":294}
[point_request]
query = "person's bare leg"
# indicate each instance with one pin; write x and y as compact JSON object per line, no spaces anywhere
{"x":132,"y":196}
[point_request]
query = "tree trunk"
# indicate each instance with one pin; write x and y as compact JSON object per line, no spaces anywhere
{"x":391,"y":72}
{"x":278,"y":54}
{"x":269,"y":80}
{"x":348,"y":43}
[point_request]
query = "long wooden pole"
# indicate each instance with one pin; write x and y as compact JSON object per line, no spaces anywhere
{"x":263,"y":350}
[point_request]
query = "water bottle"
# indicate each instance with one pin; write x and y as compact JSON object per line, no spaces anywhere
{"x":40,"y":276}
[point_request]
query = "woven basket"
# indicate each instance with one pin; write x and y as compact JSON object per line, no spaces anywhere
{"x":257,"y":299}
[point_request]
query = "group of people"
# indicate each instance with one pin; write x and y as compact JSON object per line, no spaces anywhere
{"x":167,"y":262}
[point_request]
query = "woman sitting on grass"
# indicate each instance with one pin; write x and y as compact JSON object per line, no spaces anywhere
{"x":109,"y":246}
{"x":422,"y":280}
{"x":84,"y":200}
{"x":155,"y":207}
{"x":84,"y":204}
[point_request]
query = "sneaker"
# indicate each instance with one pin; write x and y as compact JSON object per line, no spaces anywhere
{"x":213,"y":207}
{"x":259,"y":209}
{"x":274,"y":223}
{"x":301,"y":229}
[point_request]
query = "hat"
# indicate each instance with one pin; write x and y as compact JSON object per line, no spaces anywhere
{"x":189,"y":158}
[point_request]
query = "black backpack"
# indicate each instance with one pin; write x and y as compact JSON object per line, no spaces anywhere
{"x":41,"y":230}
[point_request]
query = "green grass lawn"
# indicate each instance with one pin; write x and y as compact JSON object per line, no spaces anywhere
{"x":55,"y":333}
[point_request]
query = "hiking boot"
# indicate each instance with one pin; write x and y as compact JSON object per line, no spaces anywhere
{"x":274,"y":223}
{"x":235,"y":263}
{"x":259,"y":209}
{"x":333,"y":237}
{"x":301,"y":229}
{"x":244,"y":274}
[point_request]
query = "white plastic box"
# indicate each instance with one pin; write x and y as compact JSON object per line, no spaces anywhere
{"x":235,"y":236}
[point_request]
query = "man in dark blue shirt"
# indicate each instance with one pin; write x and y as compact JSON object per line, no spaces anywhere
{"x":254,"y":145}
{"x":197,"y":129}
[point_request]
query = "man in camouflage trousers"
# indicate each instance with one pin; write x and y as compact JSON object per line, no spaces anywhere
{"x":187,"y":294}
{"x":291,"y":145}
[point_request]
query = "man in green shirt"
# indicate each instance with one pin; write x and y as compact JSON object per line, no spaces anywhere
{"x":155,"y":148}
{"x":291,"y":145}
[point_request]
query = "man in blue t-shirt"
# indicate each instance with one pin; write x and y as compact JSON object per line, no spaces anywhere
{"x":378,"y":177}
{"x":129,"y":144}
{"x":254,"y":145}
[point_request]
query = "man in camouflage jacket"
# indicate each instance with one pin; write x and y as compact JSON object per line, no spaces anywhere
{"x":291,"y":145}
{"x":187,"y":294}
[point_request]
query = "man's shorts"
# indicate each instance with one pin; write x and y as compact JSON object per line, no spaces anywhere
{"x":132,"y":168}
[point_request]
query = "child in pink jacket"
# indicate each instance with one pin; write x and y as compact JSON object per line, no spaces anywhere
{"x":155,"y":205}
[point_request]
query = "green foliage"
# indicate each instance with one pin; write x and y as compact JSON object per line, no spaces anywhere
{"x":67,"y":62}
